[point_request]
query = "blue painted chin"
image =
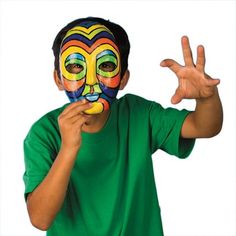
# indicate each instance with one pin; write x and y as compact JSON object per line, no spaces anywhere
{"x":92,"y":97}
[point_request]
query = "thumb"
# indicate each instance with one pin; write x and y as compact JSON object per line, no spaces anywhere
{"x":177,"y":97}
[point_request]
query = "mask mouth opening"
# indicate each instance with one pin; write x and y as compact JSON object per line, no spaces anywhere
{"x":92,"y":97}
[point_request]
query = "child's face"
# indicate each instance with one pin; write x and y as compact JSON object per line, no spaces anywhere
{"x":90,"y":65}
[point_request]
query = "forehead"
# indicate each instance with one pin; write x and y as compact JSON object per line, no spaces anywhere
{"x":87,"y":34}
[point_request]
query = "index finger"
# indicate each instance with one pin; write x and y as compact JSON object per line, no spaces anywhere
{"x":187,"y":52}
{"x":74,"y":105}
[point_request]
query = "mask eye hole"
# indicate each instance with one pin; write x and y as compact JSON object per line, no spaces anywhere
{"x":74,"y":68}
{"x":75,"y":63}
{"x":107,"y":66}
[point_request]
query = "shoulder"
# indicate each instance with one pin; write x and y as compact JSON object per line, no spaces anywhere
{"x":135,"y":100}
{"x":46,"y":125}
{"x":49,"y":118}
{"x":132,"y":98}
{"x":139,"y":105}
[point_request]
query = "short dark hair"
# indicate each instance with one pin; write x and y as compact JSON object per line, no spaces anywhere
{"x":119,"y":33}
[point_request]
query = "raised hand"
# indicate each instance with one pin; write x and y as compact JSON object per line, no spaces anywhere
{"x":194,"y":83}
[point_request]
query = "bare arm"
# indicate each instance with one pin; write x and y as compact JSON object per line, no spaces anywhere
{"x":46,"y":200}
{"x":206,"y":121}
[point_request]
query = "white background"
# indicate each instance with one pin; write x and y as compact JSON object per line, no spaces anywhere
{"x":197,"y":195}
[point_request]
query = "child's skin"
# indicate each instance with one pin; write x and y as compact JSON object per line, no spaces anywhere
{"x":206,"y":121}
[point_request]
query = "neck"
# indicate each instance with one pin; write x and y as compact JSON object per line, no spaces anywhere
{"x":95,"y":122}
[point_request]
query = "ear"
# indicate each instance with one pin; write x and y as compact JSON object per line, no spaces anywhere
{"x":57,"y":80}
{"x":124,"y":80}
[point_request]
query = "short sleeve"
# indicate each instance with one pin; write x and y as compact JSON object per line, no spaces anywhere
{"x":166,"y":127}
{"x":37,"y":164}
{"x":40,"y":150}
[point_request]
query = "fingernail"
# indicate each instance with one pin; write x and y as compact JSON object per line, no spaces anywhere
{"x":162,"y":63}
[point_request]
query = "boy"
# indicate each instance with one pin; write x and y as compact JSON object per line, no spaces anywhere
{"x":88,"y":164}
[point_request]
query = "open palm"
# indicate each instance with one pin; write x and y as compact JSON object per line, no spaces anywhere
{"x":194,"y":83}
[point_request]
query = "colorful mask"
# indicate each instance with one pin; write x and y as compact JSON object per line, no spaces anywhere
{"x":90,"y":65}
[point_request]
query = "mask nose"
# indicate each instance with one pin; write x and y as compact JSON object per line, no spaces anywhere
{"x":91,"y":78}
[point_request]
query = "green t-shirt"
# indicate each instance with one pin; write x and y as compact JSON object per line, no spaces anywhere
{"x":112,"y":187}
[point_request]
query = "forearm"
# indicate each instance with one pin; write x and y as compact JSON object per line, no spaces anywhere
{"x":46,"y":200}
{"x":206,"y":121}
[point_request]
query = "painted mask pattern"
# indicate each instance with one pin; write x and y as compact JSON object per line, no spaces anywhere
{"x":90,"y":48}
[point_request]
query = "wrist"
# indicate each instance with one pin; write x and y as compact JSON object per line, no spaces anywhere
{"x":210,"y":98}
{"x":69,"y":151}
